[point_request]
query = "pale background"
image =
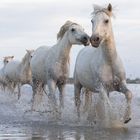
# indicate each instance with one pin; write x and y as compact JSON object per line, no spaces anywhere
{"x":28,"y":24}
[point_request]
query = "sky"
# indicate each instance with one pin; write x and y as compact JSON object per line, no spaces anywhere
{"x":29,"y":24}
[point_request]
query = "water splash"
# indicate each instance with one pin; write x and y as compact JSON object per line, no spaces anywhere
{"x":101,"y":111}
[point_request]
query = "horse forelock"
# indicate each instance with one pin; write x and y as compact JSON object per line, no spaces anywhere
{"x":64,"y":28}
{"x":98,"y":9}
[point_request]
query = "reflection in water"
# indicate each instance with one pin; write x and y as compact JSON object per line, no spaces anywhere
{"x":87,"y":134}
{"x":41,"y":131}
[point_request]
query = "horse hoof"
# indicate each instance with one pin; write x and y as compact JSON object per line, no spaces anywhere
{"x":126,"y":121}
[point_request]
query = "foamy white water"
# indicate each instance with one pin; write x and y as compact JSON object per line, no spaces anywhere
{"x":16,"y":122}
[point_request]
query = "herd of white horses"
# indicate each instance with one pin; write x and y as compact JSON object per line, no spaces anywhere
{"x":96,"y":66}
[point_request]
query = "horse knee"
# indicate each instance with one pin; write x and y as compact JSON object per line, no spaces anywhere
{"x":128,"y":95}
{"x":77,"y":102}
{"x":126,"y":92}
{"x":77,"y":96}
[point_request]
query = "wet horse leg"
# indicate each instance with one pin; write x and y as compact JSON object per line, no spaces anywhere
{"x":61,"y":88}
{"x":52,"y":88}
{"x":19,"y":91}
{"x":77,"y":91}
{"x":34,"y":88}
{"x":88,"y":99}
{"x":128,"y":96}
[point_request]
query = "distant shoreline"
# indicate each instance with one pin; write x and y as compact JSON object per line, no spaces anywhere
{"x":128,"y":80}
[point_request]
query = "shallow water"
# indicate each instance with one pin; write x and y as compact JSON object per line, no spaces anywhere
{"x":17,"y":124}
{"x":42,"y":131}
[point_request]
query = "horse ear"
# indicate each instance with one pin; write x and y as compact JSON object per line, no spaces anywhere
{"x":28,"y":51}
{"x":12,"y":56}
{"x":109,"y":7}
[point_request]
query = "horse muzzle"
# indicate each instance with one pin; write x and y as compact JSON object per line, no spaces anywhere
{"x":95,"y":40}
{"x":85,"y":40}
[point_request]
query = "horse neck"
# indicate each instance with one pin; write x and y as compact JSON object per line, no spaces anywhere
{"x":109,"y":50}
{"x":64,"y":47}
{"x":4,"y":64}
{"x":25,"y":64}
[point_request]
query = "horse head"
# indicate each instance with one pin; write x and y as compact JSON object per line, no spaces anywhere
{"x":75,"y":32}
{"x":101,"y":24}
{"x":28,"y":56}
{"x":7,"y":59}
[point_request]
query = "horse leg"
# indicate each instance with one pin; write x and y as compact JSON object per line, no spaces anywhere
{"x":61,"y":88}
{"x":128,"y":96}
{"x":40,"y":91}
{"x":77,"y":91}
{"x":19,"y":94}
{"x":12,"y":86}
{"x":52,"y":88}
{"x":88,"y":99}
{"x":34,"y":88}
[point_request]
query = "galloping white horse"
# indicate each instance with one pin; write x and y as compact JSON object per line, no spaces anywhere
{"x":18,"y":73}
{"x":101,"y":65}
{"x":3,"y":80}
{"x":51,"y":65}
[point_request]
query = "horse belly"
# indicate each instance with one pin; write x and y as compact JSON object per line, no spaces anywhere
{"x":39,"y":73}
{"x":86,"y":81}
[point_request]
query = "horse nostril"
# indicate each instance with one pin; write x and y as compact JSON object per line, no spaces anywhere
{"x":96,"y":39}
{"x":85,"y":39}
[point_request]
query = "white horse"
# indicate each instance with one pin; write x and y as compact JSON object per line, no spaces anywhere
{"x":3,"y":80}
{"x":7,"y":59}
{"x":19,"y":73}
{"x":51,"y":65}
{"x":101,"y":65}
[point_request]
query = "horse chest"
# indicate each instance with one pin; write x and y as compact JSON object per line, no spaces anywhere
{"x":109,"y":77}
{"x":59,"y":72}
{"x":106,"y":73}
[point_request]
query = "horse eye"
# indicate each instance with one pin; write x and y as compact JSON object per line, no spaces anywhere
{"x":72,"y":29}
{"x":91,"y":21}
{"x":106,"y":21}
{"x":7,"y":61}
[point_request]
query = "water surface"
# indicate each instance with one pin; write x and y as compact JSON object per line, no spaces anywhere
{"x":15,"y":124}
